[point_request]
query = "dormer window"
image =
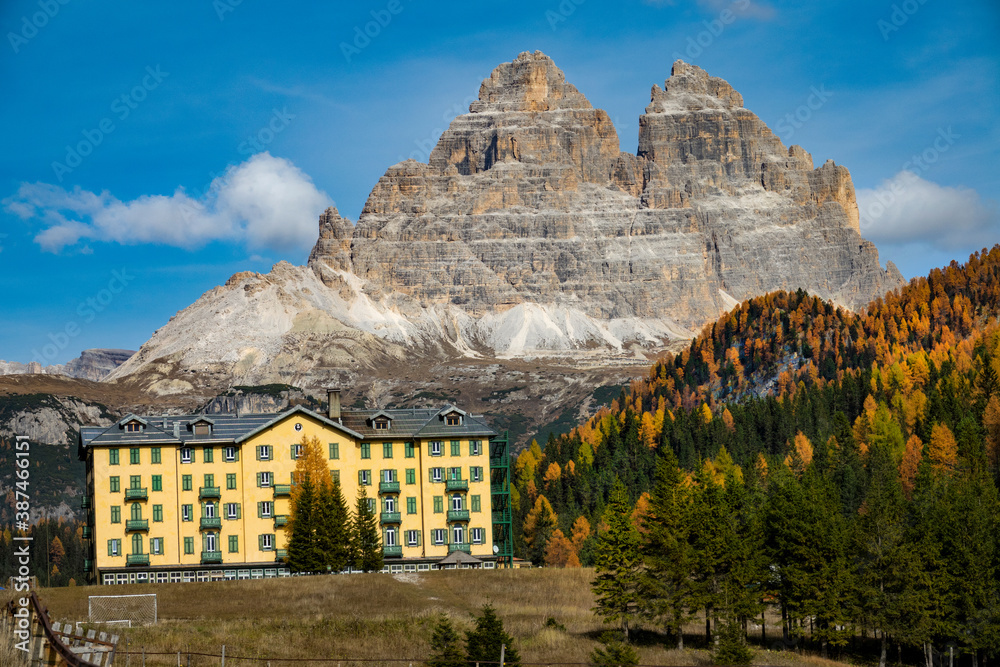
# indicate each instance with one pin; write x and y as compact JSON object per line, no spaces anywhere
{"x":381,"y":424}
{"x":453,"y":420}
{"x":201,"y":427}
{"x":133,"y":427}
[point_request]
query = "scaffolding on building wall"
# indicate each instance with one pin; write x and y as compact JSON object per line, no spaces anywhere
{"x":503,"y":538}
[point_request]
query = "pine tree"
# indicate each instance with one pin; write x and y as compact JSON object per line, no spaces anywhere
{"x":619,"y":562}
{"x":483,"y":643}
{"x":302,"y":551}
{"x":366,"y":539}
{"x":614,"y":654}
{"x":446,"y":645}
{"x":732,"y":648}
{"x":666,"y":578}
{"x":333,"y":534}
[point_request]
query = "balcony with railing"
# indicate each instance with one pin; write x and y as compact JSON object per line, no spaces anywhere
{"x":88,"y":532}
{"x":137,"y":559}
{"x":458,"y":515}
{"x":134,"y":525}
{"x":282,"y":490}
{"x":280,"y":554}
{"x":395,"y":551}
{"x":391,"y":517}
{"x":211,"y":522}
{"x":211,"y":556}
{"x":88,"y":565}
{"x":280,"y":521}
{"x":207,"y":492}
{"x":388,"y":487}
{"x":502,"y":516}
{"x":460,"y":546}
{"x":85,"y":503}
{"x":456,"y":485}
{"x":136,"y":494}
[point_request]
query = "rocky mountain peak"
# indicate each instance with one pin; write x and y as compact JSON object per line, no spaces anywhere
{"x":690,"y":88}
{"x":529,"y":232}
{"x":532,"y":82}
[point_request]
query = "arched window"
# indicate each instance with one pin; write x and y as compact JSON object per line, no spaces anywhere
{"x":136,"y":543}
{"x":136,"y":513}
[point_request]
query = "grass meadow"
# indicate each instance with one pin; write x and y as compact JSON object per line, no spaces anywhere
{"x":374,"y":619}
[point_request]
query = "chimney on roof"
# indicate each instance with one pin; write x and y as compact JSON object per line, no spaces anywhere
{"x":333,"y":396}
{"x":177,"y":429}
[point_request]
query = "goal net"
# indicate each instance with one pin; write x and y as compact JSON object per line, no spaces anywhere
{"x":122,"y":609}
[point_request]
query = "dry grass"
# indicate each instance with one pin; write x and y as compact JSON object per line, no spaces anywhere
{"x":373,"y":617}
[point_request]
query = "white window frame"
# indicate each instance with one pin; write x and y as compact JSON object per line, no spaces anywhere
{"x":477,"y":447}
{"x":388,"y":475}
{"x":437,"y":474}
{"x":230,"y":454}
{"x":209,"y":510}
{"x":474,"y":473}
{"x":389,"y":503}
{"x":298,"y":452}
{"x":265,"y":452}
{"x":116,"y":547}
{"x":366,"y":477}
{"x":390,"y":536}
{"x":211,"y":542}
{"x":412,"y":538}
{"x":437,"y":447}
{"x":265,"y":479}
{"x":458,"y":534}
{"x":186,"y":454}
{"x":477,"y":535}
{"x":231,"y":512}
{"x":456,"y":503}
{"x":439,"y":535}
{"x":156,"y":548}
{"x":266,"y":542}
{"x":266,"y":509}
{"x":185,"y":512}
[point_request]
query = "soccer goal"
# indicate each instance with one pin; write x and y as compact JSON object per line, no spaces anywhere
{"x":119,"y":610}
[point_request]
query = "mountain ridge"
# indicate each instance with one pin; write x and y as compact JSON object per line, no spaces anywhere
{"x":529,"y":233}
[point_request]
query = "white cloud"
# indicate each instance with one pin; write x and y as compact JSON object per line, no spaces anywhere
{"x":265,"y":202}
{"x":908,"y":209}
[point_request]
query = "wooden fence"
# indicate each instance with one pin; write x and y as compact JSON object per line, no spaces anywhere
{"x":55,"y":644}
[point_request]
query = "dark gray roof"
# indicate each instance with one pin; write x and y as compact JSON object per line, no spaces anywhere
{"x":231,"y":428}
{"x":459,"y":557}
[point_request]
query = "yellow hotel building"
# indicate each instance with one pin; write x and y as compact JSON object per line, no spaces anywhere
{"x":206,"y":497}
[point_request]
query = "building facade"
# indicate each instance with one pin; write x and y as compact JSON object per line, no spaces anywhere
{"x":206,"y":497}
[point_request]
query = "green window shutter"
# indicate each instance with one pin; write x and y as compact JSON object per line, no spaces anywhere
{"x":260,"y":510}
{"x":291,"y":454}
{"x":260,"y":542}
{"x":259,"y":480}
{"x":258,"y":452}
{"x":237,"y":453}
{"x":113,"y":456}
{"x":335,"y":476}
{"x":430,"y":474}
{"x":239,"y":510}
{"x":334,"y":450}
{"x":475,"y":503}
{"x":361,"y":477}
{"x":156,"y":454}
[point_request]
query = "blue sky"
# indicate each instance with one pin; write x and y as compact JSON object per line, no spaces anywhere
{"x":151,"y":152}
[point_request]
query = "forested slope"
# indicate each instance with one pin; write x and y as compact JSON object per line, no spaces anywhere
{"x":843,"y":465}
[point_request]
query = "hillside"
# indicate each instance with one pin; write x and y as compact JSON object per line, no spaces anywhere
{"x":373,"y":617}
{"x":829,"y":452}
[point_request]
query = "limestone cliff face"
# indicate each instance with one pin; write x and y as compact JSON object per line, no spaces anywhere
{"x":529,"y":232}
{"x":527,"y":199}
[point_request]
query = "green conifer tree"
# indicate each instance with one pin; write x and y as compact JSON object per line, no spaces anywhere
{"x":368,"y":544}
{"x":333,"y":534}
{"x":302,"y":552}
{"x":665,"y":581}
{"x":446,"y":645}
{"x":484,"y":641}
{"x":618,"y":563}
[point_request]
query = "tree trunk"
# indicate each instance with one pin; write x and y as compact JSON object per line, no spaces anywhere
{"x":784,"y":623}
{"x":881,"y":659}
{"x":975,"y":657}
{"x":708,"y":626}
{"x":763,"y":628}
